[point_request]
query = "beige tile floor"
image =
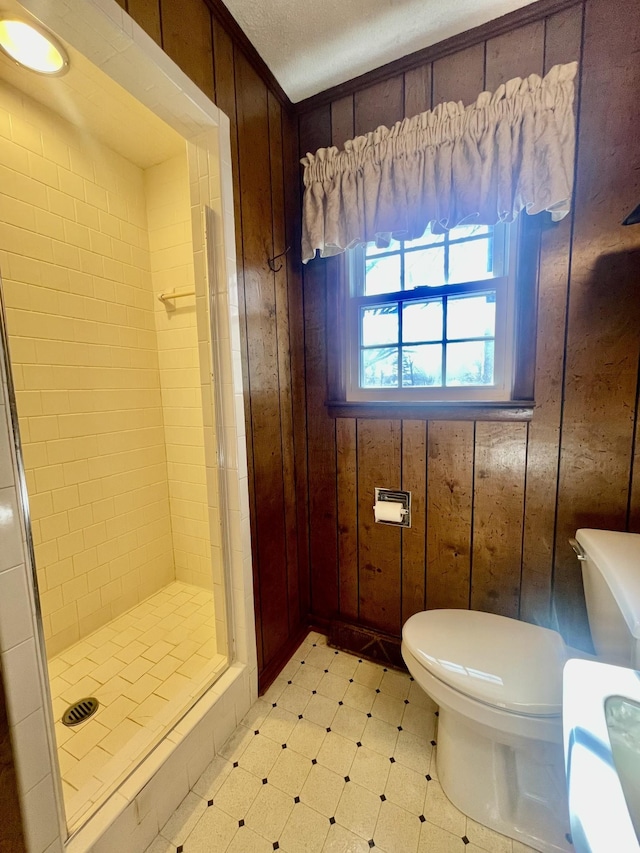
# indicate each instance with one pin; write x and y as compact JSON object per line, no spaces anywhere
{"x":337,"y":757}
{"x":145,"y":668}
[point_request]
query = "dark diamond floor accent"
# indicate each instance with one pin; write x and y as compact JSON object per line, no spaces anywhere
{"x":377,"y":690}
{"x":275,"y":705}
{"x":314,"y":645}
{"x":257,"y":732}
{"x":313,"y":692}
{"x":347,"y":779}
{"x":392,"y":760}
{"x":289,"y":682}
{"x":433,"y":743}
{"x":336,"y":653}
{"x":406,"y":701}
{"x":284,"y":746}
{"x":299,"y":716}
{"x":264,"y":781}
{"x":411,"y":678}
{"x":314,"y":761}
{"x":359,"y":660}
{"x":399,"y":728}
{"x":351,"y":681}
{"x":332,"y":820}
{"x":372,"y":843}
{"x":465,"y":840}
{"x":209,"y":802}
{"x":341,"y":702}
{"x":241,"y":822}
{"x":276,"y":846}
{"x":384,"y":669}
{"x":422,"y":818}
{"x":358,"y":744}
{"x":302,"y":662}
{"x":179,"y":849}
{"x":428,"y":778}
{"x":328,"y":728}
{"x":235,"y":763}
{"x":369,"y":714}
{"x":382,"y":797}
{"x":437,"y":713}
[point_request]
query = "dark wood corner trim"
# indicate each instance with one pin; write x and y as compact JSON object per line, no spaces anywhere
{"x":274,"y":667}
{"x":514,"y":410}
{"x":224,"y":16}
{"x":497,"y":27}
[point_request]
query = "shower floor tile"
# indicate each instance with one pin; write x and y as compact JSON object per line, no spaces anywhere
{"x":144,"y":668}
{"x":323,"y":763}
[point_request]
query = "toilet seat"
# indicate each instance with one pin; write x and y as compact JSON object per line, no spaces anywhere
{"x":510,"y":665}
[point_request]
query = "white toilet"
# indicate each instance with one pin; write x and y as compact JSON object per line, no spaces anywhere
{"x":498,"y":683}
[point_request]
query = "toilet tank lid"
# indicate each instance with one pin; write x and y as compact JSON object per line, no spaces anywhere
{"x":500,"y":661}
{"x":617,"y":557}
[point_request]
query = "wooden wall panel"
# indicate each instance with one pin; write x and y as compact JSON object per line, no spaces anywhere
{"x":502,"y":499}
{"x":263,"y":355}
{"x":498,"y":502}
{"x":450,"y":513}
{"x":342,"y":126}
{"x":347,"y":479}
{"x":379,"y":545}
{"x":515,"y":54}
{"x":11,"y":836}
{"x":562,"y":43}
{"x":459,"y":77}
{"x":604,"y":309}
{"x":417,"y":90}
{"x":382,"y":104}
{"x":284,"y":357}
{"x":188,"y":39}
{"x":414,"y":480}
{"x":146,"y":13}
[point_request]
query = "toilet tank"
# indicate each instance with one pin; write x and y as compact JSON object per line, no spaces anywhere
{"x":611,"y":578}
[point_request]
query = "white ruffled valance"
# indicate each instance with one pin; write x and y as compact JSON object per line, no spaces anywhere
{"x":483,"y":163}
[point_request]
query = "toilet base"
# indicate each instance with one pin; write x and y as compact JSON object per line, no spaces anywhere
{"x":516,"y":787}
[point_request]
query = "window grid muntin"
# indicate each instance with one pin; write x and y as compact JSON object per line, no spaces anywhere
{"x":404,"y":297}
{"x":491,"y":238}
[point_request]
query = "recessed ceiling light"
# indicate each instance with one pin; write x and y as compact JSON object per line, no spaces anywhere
{"x":32,"y":46}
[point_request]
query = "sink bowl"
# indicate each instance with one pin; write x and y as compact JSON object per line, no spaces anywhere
{"x":601,"y":722}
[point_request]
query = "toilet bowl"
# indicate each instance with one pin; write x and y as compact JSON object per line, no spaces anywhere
{"x":498,"y":684}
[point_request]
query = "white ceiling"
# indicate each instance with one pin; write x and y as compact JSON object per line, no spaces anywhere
{"x":310,"y":45}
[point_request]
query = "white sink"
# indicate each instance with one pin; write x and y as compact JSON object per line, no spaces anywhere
{"x":601,"y":721}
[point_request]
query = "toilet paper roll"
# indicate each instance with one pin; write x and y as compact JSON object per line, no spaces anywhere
{"x":389,"y":511}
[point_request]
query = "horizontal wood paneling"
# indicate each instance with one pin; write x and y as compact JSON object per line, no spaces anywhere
{"x":498,"y":500}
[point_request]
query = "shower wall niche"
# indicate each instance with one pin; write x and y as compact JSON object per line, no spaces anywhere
{"x":113,"y":385}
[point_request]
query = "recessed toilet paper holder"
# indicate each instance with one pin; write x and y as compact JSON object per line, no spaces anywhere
{"x":393,"y":507}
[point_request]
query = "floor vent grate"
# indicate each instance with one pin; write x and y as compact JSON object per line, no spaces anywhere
{"x":80,"y":711}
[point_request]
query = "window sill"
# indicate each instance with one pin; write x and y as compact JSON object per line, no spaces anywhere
{"x":510,"y":410}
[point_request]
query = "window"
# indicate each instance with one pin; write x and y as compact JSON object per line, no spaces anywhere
{"x":433,"y":319}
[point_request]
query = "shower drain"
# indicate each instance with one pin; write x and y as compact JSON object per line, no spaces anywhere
{"x":80,"y":711}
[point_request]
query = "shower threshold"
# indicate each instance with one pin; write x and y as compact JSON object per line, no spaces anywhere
{"x":146,"y":668}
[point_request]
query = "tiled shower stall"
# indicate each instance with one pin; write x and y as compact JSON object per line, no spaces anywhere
{"x":132,"y":459}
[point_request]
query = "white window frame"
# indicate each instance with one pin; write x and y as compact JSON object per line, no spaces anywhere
{"x":505,"y":342}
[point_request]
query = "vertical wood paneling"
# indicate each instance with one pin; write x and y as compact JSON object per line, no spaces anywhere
{"x":284,"y":362}
{"x":417,"y":90}
{"x":260,"y":303}
{"x":414,"y":480}
{"x":11,"y":837}
{"x":379,"y":545}
{"x":347,"y":478}
{"x":296,"y":343}
{"x":515,"y":54}
{"x":449,"y":513}
{"x":562,"y":44}
{"x":604,"y":309}
{"x":187,"y":38}
{"x":147,"y":14}
{"x":459,"y":77}
{"x":342,"y":121}
{"x":382,"y":104}
{"x":315,"y":132}
{"x":498,"y":499}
